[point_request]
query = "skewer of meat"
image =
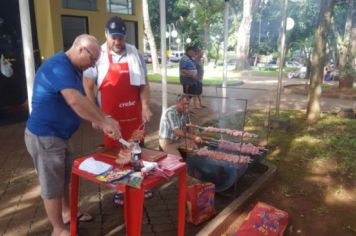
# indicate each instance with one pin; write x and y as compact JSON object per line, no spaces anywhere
{"x":231,"y":132}
{"x":247,"y":148}
{"x":236,"y":159}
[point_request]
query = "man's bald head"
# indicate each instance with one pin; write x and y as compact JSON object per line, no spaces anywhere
{"x":86,"y":40}
{"x":84,"y":52}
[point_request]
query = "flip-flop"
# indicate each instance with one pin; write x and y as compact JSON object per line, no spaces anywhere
{"x":63,"y":233}
{"x":148,"y":194}
{"x":119,"y":199}
{"x":82,"y":217}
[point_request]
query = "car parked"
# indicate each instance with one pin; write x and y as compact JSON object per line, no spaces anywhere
{"x":148,"y":58}
{"x":232,"y":62}
{"x":293,"y":64}
{"x":269,"y":65}
{"x":176,"y":56}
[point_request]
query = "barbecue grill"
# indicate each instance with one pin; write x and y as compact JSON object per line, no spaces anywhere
{"x":223,"y":174}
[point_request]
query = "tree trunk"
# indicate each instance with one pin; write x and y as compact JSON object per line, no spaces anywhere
{"x":243,"y":37}
{"x":150,"y":37}
{"x":353,"y":41}
{"x":344,"y":48}
{"x":318,"y":60}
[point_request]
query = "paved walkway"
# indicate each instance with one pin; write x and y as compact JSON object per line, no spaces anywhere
{"x":21,"y":208}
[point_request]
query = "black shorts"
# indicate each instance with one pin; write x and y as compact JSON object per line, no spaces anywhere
{"x":191,"y":89}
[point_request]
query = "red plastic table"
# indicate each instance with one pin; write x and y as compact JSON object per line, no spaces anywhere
{"x":133,"y":197}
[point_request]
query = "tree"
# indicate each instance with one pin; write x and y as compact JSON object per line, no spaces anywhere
{"x":318,"y":59}
{"x":202,"y":22}
{"x":343,"y":42}
{"x":301,"y":37}
{"x":344,"y":51}
{"x":243,"y":34}
{"x":150,"y":37}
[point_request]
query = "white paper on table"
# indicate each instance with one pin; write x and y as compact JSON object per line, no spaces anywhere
{"x":94,"y":167}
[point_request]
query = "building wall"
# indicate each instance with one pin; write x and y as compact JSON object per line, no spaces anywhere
{"x":49,"y":27}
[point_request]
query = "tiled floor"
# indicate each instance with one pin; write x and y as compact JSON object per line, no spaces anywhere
{"x":21,"y":208}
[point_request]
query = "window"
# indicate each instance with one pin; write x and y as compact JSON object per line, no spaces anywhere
{"x":88,"y":5}
{"x":119,"y":6}
{"x":72,"y":26}
{"x":131,"y":32}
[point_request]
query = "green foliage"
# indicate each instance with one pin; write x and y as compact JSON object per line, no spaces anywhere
{"x":348,"y":72}
{"x":331,"y":138}
{"x":175,"y":12}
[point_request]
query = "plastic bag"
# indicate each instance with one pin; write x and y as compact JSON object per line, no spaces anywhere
{"x":264,"y":220}
{"x":200,"y":202}
{"x":6,"y":67}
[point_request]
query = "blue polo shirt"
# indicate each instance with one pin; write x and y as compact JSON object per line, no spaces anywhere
{"x":51,"y":115}
{"x":187,"y":63}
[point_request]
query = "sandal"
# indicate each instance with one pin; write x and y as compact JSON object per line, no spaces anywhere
{"x":148,"y":194}
{"x":119,"y":197}
{"x":82,"y":217}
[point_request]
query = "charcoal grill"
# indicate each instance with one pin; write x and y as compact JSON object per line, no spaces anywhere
{"x":223,"y":174}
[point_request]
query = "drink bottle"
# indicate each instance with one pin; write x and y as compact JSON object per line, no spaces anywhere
{"x":136,"y":161}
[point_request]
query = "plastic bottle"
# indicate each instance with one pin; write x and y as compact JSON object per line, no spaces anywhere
{"x":136,"y":160}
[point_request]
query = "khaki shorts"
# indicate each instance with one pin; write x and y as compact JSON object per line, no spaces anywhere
{"x":53,"y":163}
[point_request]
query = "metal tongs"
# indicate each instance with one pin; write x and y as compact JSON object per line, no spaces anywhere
{"x":125,"y":143}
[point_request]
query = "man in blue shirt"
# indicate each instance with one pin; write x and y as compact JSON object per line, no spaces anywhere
{"x":58,"y":105}
{"x":188,"y":73}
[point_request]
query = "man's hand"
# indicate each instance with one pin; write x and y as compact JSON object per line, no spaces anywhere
{"x":146,"y":114}
{"x":111,"y":128}
{"x":197,"y":140}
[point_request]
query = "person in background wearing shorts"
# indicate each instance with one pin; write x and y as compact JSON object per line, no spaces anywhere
{"x":58,"y":105}
{"x":199,"y":63}
{"x":188,"y":73}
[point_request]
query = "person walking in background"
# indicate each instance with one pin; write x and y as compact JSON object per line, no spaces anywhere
{"x":123,"y":89}
{"x":199,"y":63}
{"x":58,"y":104}
{"x":188,"y":73}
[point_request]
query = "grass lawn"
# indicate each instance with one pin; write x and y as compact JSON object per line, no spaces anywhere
{"x":213,"y":76}
{"x":316,"y":173}
{"x":208,"y":81}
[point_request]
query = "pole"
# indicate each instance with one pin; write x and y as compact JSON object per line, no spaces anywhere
{"x":27,"y":48}
{"x":162,"y":8}
{"x":282,"y":55}
{"x":169,"y":38}
{"x":226,"y":28}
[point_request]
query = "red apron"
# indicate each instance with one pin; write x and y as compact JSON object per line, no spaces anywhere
{"x":121,"y":100}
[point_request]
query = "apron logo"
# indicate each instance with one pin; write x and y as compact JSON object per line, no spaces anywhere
{"x":124,"y":71}
{"x":127,"y":104}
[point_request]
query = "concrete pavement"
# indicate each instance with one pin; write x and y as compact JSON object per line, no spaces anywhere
{"x":21,"y":208}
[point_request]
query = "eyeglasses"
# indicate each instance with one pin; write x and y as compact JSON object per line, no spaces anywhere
{"x":91,"y":55}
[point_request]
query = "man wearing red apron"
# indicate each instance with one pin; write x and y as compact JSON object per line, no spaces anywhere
{"x":123,"y":91}
{"x":120,"y":76}
{"x":121,"y":100}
